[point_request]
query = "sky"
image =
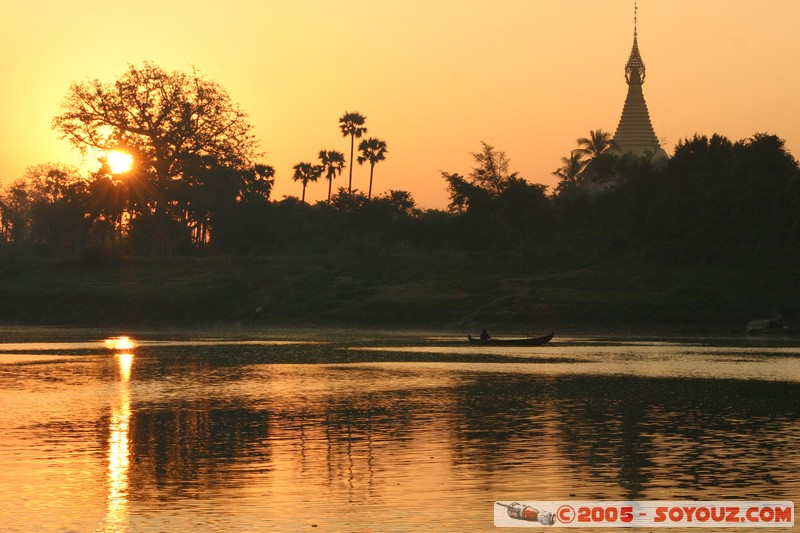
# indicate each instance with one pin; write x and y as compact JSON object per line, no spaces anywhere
{"x":434,"y":78}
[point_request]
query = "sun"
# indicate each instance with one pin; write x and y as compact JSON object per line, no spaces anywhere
{"x":119,"y":162}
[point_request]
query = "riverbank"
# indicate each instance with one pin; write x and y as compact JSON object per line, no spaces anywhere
{"x":398,"y":288}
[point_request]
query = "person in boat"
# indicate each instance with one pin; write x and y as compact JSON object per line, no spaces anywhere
{"x":485,"y":335}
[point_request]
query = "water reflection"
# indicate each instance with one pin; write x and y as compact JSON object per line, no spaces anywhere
{"x":243,"y":436}
{"x":122,"y":343}
{"x":373,"y":434}
{"x":119,"y":445}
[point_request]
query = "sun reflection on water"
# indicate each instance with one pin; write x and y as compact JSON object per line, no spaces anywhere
{"x":119,"y":448}
{"x":120,"y":343}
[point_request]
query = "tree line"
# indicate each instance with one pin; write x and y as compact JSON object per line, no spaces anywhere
{"x":198,"y":185}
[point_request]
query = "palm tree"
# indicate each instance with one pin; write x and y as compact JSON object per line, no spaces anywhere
{"x":352,"y":125}
{"x":306,"y":172}
{"x":332,"y":166}
{"x":372,"y":150}
{"x":598,"y":160}
{"x":571,"y":167}
{"x":596,"y":144}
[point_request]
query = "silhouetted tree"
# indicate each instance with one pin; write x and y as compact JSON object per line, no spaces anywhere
{"x":599,"y":162}
{"x":352,"y":125}
{"x":207,"y":187}
{"x":402,"y":201}
{"x":596,"y":144}
{"x":701,"y":156}
{"x":374,"y":151}
{"x":492,"y":169}
{"x":770,"y":178}
{"x":497,"y":206}
{"x":167,"y":121}
{"x":332,"y":166}
{"x":463,"y":193}
{"x":733,"y":195}
{"x":15,"y":206}
{"x":257,"y":183}
{"x":50,"y":206}
{"x":570,"y":170}
{"x":348,"y":201}
{"x":306,"y":172}
{"x":486,"y":181}
{"x":108,"y":202}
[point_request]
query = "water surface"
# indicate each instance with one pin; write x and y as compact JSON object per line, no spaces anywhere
{"x":380,"y":430}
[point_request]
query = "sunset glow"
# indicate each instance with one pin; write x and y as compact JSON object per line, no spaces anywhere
{"x":433,"y":79}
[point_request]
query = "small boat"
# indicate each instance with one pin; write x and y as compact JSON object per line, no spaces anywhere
{"x":527,"y":341}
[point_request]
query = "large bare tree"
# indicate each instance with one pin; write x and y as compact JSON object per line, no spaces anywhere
{"x":172,"y":123}
{"x":163,"y":117}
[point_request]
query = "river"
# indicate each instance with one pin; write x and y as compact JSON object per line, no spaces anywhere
{"x":314,"y":430}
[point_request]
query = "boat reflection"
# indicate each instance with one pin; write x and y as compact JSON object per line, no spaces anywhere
{"x":119,"y":446}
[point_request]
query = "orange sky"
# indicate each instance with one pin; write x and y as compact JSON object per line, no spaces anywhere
{"x":433,"y":77}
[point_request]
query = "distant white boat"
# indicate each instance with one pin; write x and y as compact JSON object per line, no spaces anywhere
{"x":765,"y":325}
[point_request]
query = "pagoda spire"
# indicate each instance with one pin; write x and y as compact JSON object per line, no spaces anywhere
{"x":635,"y":132}
{"x":634,"y":68}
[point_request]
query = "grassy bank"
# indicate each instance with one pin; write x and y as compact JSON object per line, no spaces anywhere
{"x":377,"y":287}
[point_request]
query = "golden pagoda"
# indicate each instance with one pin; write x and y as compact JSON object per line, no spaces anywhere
{"x":635,"y":133}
